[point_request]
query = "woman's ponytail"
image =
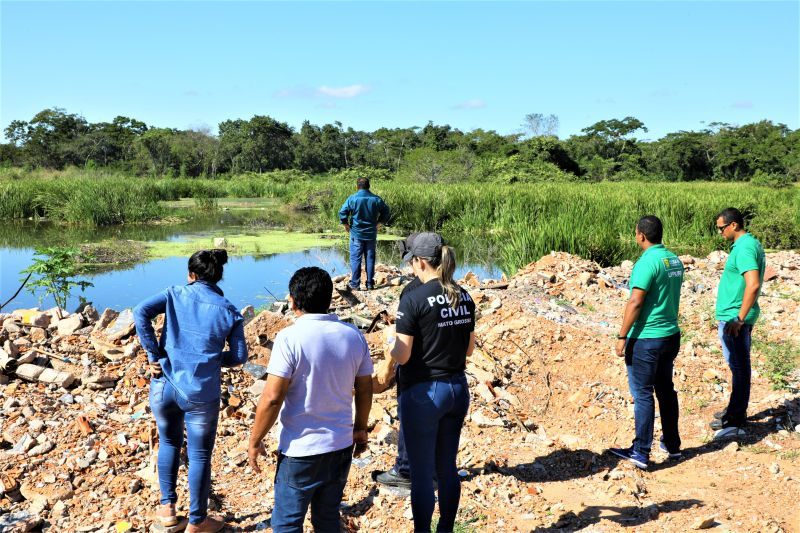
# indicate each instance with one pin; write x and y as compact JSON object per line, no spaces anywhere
{"x":444,"y":271}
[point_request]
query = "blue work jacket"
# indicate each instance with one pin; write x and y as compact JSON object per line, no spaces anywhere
{"x":363,"y":211}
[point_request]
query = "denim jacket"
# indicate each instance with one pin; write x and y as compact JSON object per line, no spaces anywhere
{"x":198,"y":322}
{"x":363,"y":211}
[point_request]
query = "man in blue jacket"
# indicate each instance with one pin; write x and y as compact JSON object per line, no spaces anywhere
{"x":361,"y":213}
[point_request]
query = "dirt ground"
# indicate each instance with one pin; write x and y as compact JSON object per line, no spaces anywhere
{"x":548,"y":398}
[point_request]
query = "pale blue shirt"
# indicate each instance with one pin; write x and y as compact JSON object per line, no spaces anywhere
{"x":321,"y":356}
{"x":198,"y":321}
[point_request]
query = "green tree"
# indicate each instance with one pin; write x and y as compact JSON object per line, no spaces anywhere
{"x":49,"y":139}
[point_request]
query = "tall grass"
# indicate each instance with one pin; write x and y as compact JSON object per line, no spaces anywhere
{"x":522,"y":221}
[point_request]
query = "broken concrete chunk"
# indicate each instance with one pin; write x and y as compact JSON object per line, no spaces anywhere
{"x":27,"y":357}
{"x":29,"y":372}
{"x":61,"y":379}
{"x":51,"y":493}
{"x":258,"y":387}
{"x":91,"y":314}
{"x":10,"y":348}
{"x":70,"y":325}
{"x":37,"y":334}
{"x":257,"y":371}
{"x":19,"y":522}
{"x":41,"y":449}
{"x":112,"y":352}
{"x":105,"y":319}
{"x":120,"y":327}
{"x":23,"y":445}
{"x":11,"y":327}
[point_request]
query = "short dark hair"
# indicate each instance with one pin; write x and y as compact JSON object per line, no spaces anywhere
{"x":731,"y":214}
{"x":311,"y":289}
{"x":650,"y":226}
{"x":207,"y":264}
{"x":362,"y":183}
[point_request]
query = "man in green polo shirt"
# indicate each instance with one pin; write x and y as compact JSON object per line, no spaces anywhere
{"x":649,"y":340}
{"x":737,"y":312}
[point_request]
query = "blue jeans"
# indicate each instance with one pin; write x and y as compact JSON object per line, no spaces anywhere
{"x":317,"y":480}
{"x":649,"y":363}
{"x":171,"y":412}
{"x":431,"y":416}
{"x":359,"y":248}
{"x":737,"y":354}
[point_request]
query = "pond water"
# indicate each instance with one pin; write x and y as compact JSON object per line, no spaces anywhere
{"x":255,"y":280}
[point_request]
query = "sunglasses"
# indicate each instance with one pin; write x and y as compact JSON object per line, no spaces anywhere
{"x":720,"y":229}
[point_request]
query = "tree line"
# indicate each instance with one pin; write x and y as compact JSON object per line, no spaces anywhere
{"x":607,"y":150}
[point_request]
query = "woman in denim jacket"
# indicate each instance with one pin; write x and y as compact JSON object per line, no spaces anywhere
{"x":186,"y":364}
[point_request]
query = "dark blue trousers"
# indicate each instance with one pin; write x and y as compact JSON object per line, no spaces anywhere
{"x":650,"y":363}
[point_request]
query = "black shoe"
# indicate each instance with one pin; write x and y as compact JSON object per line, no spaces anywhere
{"x":371,"y":287}
{"x":675,"y":455}
{"x":719,"y":415}
{"x":724,"y":423}
{"x":391,"y":478}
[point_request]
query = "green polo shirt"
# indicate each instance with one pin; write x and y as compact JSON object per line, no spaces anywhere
{"x":660,"y":273}
{"x":746,"y":255}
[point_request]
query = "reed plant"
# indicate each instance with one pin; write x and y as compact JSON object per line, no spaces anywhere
{"x":520,"y":221}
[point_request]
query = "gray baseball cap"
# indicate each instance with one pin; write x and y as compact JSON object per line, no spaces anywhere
{"x":421,"y":245}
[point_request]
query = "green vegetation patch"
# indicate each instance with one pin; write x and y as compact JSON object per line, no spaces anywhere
{"x":779,"y":361}
{"x":111,"y":252}
{"x":262,"y":243}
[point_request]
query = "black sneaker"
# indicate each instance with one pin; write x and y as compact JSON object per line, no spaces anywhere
{"x":371,"y":287}
{"x":672,"y":455}
{"x":391,"y":478}
{"x":723,"y":423}
{"x":719,"y":415}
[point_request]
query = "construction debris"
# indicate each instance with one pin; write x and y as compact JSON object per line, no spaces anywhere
{"x":78,"y":449}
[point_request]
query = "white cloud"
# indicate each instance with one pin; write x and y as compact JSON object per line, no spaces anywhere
{"x":349,"y":91}
{"x":475,"y":103}
{"x":742,"y":104}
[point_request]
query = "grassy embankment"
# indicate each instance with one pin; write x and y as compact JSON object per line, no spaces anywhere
{"x":520,"y":222}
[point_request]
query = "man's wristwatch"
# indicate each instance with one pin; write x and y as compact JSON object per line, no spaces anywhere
{"x":621,"y":337}
{"x":741,"y":321}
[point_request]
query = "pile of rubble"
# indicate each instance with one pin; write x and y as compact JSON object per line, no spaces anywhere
{"x":548,"y":396}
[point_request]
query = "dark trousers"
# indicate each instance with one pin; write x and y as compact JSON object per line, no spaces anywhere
{"x":649,"y":363}
{"x":171,"y":412}
{"x":358,"y":249}
{"x":431,"y":416}
{"x":315,"y":480}
{"x":737,"y":354}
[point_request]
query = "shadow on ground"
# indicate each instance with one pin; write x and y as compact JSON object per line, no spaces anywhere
{"x":624,"y":516}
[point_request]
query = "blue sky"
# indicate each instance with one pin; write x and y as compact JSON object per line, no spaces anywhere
{"x":397,"y":64}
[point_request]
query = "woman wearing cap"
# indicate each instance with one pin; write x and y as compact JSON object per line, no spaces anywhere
{"x":435,"y":334}
{"x":185,"y":390}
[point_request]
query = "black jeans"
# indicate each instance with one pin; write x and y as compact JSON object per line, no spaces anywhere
{"x":649,"y":363}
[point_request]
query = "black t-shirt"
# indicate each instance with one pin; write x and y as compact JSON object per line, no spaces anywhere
{"x":441,"y":333}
